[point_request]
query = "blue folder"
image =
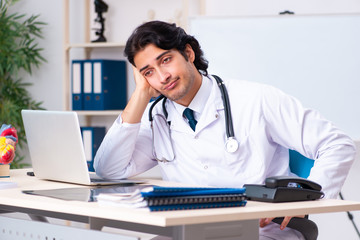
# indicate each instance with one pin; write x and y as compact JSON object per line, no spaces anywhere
{"x":92,"y":138}
{"x":77,"y":84}
{"x":157,"y":191}
{"x":177,"y":198}
{"x":87,"y":85}
{"x":109,"y":84}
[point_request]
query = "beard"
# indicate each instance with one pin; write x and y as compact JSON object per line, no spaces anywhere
{"x":181,"y":92}
{"x":184,"y":87}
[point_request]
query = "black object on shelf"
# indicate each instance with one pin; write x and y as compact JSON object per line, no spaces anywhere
{"x":100,"y":8}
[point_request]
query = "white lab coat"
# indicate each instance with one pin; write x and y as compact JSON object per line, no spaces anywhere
{"x":266,"y":122}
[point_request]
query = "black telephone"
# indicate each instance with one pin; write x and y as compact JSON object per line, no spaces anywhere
{"x":284,"y":189}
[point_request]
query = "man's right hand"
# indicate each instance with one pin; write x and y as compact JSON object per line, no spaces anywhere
{"x":139,"y":99}
{"x":143,"y":85}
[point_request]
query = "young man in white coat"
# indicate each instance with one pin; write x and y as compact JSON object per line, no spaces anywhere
{"x":266,"y":124}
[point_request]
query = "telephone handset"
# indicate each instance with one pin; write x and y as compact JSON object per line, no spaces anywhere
{"x":284,"y":189}
{"x":283,"y":181}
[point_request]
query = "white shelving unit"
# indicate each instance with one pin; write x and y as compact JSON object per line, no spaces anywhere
{"x":88,"y":46}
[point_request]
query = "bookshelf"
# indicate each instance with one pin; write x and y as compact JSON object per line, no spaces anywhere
{"x":88,"y":47}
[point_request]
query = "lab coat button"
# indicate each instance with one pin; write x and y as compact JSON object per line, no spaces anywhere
{"x":216,"y":115}
{"x":196,"y":137}
{"x":206,"y":167}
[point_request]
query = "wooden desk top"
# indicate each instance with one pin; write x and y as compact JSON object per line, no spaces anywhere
{"x":253,"y":210}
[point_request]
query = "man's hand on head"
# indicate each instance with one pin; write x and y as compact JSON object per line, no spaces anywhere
{"x":143,"y":85}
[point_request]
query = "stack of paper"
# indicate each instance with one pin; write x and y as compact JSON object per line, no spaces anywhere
{"x":176,"y":198}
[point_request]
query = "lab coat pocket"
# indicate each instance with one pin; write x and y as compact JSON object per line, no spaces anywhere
{"x":246,"y":161}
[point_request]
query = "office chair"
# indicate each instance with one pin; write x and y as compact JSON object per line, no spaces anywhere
{"x":301,"y":166}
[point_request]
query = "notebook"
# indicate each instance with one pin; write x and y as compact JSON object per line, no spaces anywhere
{"x":157,"y":198}
{"x":56,"y":148}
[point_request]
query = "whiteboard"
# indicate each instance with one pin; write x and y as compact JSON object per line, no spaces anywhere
{"x":314,"y":58}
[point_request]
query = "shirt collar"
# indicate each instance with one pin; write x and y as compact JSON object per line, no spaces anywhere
{"x":200,"y":99}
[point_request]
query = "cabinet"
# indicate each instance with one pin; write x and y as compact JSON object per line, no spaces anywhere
{"x":88,"y":46}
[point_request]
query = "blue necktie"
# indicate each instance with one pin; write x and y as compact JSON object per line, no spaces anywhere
{"x":189,"y":114}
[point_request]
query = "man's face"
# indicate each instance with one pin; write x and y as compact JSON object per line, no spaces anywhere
{"x":168,"y":72}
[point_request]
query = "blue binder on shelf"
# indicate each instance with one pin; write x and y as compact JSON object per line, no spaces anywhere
{"x":92,"y":138}
{"x":87,"y":85}
{"x":109,"y":84}
{"x":77,"y":84}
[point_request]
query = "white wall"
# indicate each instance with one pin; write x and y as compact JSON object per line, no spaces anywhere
{"x":312,"y":57}
{"x":264,"y":7}
{"x":47,"y":81}
{"x":124,"y":15}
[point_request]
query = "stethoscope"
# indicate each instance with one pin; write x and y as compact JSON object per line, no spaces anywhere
{"x":231,"y":144}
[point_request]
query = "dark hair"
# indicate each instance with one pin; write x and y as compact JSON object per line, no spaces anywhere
{"x":165,"y":36}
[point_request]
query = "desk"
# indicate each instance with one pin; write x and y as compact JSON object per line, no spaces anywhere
{"x":222,"y":223}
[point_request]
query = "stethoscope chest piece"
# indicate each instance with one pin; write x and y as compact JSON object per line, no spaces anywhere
{"x":231,"y":145}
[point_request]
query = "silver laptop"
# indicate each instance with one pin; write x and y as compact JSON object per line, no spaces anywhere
{"x":56,"y":148}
